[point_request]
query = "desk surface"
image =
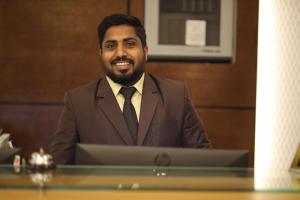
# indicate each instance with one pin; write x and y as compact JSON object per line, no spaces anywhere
{"x":120,"y":182}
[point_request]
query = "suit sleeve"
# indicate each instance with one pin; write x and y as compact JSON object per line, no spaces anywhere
{"x":65,"y":137}
{"x":194,"y":134}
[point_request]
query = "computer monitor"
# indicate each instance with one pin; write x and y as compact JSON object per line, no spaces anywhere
{"x":7,"y":155}
{"x":94,"y":154}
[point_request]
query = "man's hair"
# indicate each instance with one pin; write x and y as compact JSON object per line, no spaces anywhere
{"x":120,"y":19}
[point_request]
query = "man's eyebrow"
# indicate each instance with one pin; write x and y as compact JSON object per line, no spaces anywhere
{"x":110,"y":41}
{"x":126,"y":39}
{"x":131,"y":38}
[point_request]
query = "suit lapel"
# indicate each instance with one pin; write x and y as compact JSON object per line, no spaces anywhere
{"x":107,"y":102}
{"x":150,"y":98}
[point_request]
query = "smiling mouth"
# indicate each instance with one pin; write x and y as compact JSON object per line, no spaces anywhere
{"x":121,"y":62}
{"x":122,"y":65}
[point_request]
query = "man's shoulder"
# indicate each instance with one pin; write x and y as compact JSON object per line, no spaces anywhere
{"x":88,"y":88}
{"x":166,"y":82}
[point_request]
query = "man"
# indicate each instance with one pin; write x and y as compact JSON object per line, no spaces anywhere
{"x":158,"y":112}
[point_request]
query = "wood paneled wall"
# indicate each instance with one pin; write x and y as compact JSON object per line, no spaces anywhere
{"x":50,"y":46}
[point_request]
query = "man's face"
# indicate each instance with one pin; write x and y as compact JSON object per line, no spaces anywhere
{"x":122,"y":55}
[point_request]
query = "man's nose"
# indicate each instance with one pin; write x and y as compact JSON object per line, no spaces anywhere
{"x":121,"y":51}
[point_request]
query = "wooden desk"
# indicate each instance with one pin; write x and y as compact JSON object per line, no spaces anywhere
{"x":138,"y":183}
{"x":141,"y":195}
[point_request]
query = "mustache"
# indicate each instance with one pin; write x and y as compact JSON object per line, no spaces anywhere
{"x":122,"y":60}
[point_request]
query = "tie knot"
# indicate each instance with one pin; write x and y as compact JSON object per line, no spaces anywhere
{"x":127,"y":92}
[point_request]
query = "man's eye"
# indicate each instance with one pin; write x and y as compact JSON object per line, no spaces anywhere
{"x":109,"y":46}
{"x":130,"y":43}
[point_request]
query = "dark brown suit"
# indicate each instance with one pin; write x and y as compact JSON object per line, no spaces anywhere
{"x":92,"y":115}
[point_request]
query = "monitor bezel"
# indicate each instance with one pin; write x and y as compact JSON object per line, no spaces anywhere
{"x":98,"y":154}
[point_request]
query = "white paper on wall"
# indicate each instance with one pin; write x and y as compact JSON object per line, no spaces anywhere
{"x":195,"y":32}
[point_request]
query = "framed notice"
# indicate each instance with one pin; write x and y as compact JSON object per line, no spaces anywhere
{"x":191,"y":29}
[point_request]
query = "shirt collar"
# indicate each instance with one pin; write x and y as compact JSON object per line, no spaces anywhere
{"x":116,"y":86}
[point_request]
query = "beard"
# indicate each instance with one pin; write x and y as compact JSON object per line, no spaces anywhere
{"x":123,"y":78}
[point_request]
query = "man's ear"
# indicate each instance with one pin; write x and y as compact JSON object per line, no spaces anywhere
{"x":146,"y":52}
{"x":100,"y":52}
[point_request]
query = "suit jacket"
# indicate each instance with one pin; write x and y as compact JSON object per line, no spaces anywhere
{"x":92,"y":115}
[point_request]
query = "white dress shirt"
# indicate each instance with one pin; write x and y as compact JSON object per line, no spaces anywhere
{"x":136,"y":98}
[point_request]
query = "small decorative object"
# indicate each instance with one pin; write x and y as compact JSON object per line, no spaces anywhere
{"x":40,"y":165}
{"x":40,"y":161}
{"x":17,"y":163}
{"x":296,"y":161}
{"x":41,"y":179}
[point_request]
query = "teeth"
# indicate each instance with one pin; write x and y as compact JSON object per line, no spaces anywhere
{"x":122,"y":63}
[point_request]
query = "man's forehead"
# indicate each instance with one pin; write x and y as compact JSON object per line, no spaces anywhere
{"x":120,"y":32}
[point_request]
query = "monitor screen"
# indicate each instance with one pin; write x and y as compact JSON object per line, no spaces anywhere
{"x":7,"y":155}
{"x":94,"y":154}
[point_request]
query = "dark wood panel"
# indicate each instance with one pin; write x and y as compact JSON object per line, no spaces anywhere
{"x":136,"y":8}
{"x":49,"y":46}
{"x":230,"y":128}
{"x":55,"y":48}
{"x":212,"y":84}
{"x":31,"y":126}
